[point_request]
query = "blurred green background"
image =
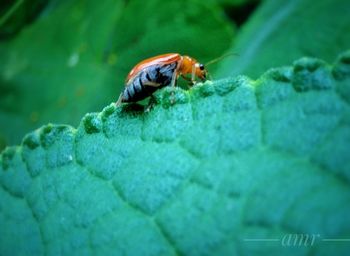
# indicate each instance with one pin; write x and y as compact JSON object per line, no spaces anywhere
{"x":61,"y":59}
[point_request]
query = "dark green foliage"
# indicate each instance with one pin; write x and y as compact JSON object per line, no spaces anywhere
{"x":282,"y":31}
{"x":15,"y":15}
{"x":75,"y":58}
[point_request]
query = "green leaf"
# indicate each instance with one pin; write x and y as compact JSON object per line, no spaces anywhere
{"x":282,"y":31}
{"x":232,"y":160}
{"x":234,"y":3}
{"x":14,"y":15}
{"x":76,"y":56}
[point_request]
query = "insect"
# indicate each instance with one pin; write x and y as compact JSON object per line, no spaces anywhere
{"x":154,"y":73}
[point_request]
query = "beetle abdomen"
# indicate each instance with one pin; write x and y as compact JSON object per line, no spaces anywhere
{"x":147,"y":81}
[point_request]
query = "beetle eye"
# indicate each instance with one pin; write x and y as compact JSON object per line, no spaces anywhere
{"x":201,"y":66}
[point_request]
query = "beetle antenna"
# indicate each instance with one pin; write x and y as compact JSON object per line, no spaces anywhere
{"x":221,"y":57}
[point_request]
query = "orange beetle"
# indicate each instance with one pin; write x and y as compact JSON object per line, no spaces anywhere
{"x":154,"y":73}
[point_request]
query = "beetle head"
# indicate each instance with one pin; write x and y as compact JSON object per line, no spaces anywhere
{"x":191,"y":66}
{"x":200,"y":71}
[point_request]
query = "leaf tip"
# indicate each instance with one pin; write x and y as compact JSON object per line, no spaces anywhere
{"x":168,"y":96}
{"x":311,"y":73}
{"x":7,"y":156}
{"x":283,"y":74}
{"x":49,"y":133}
{"x":31,"y":140}
{"x":92,"y":123}
{"x":108,"y":111}
{"x":341,"y":68}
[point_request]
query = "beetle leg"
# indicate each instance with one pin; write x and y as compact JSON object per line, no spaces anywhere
{"x":153,"y":84}
{"x":150,"y":104}
{"x":193,"y":74}
{"x":119,"y":102}
{"x":172,"y":85}
{"x":173,"y":79}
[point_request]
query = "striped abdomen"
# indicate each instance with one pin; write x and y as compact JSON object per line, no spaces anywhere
{"x":147,"y":81}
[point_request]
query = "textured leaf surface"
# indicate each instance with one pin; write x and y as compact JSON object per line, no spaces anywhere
{"x":282,"y":31}
{"x":233,"y":159}
{"x":75,"y":58}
